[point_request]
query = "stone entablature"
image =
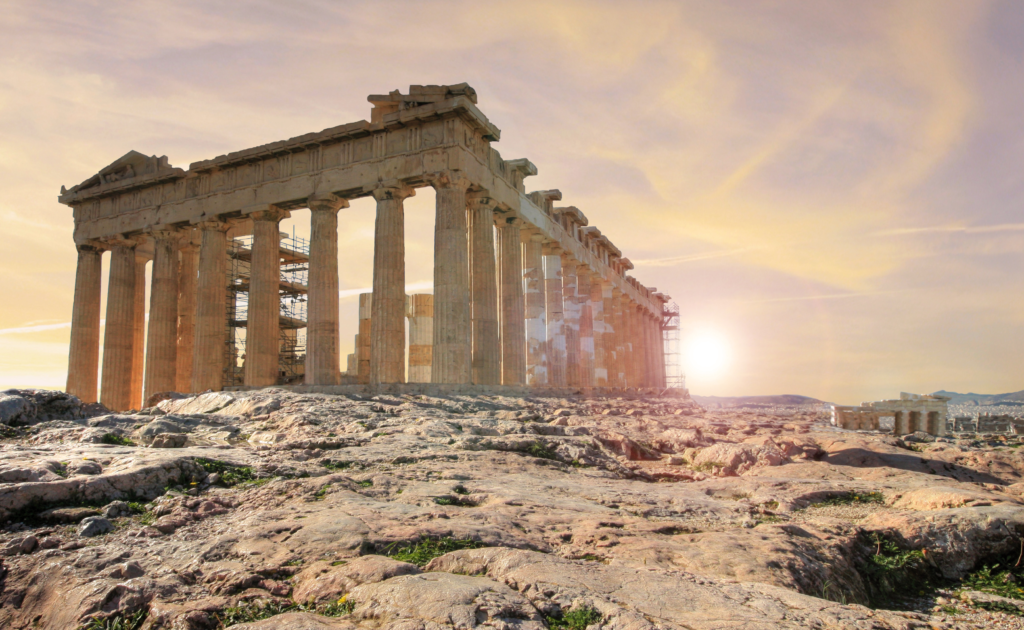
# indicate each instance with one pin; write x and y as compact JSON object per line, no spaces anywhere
{"x":563,"y":314}
{"x":439,"y":129}
{"x":911,"y":413}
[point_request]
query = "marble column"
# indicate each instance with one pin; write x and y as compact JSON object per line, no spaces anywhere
{"x":162,"y":336}
{"x":571,"y":308}
{"x":322,"y":327}
{"x":629,"y":342}
{"x":119,"y":330}
{"x":618,"y":372}
{"x":512,"y":313}
{"x":188,"y":267}
{"x":84,"y":350}
{"x":659,"y":352}
{"x":483,"y":280}
{"x":263,"y":328}
{"x":554,"y":310}
{"x":600,"y":328}
{"x":139,"y":332}
{"x":211,"y":308}
{"x":421,"y":336}
{"x":640,"y":346}
{"x":452,"y":338}
{"x":387,"y":333}
{"x":534,"y":304}
{"x":583,"y":292}
{"x":363,"y":338}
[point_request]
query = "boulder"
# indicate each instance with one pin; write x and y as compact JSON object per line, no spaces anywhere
{"x":169,"y":440}
{"x":94,"y":526}
{"x":322,"y":581}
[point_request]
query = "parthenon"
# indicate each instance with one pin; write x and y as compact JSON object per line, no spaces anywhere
{"x":525,"y":292}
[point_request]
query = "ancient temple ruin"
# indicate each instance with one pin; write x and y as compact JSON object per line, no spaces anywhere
{"x":909,"y":414}
{"x":547,"y":303}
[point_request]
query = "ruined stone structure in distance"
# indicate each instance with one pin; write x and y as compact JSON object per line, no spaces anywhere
{"x":545,"y":303}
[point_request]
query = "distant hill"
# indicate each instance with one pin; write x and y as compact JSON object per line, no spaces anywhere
{"x":742,"y":401}
{"x":982,"y":399}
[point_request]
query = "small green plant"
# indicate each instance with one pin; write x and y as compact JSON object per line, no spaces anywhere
{"x":336,"y":465}
{"x":246,"y":612}
{"x":460,"y":490}
{"x":708,"y":466}
{"x":120,"y":621}
{"x":541,"y":451}
{"x":589,"y":557}
{"x":456,"y":501}
{"x":426,"y":549}
{"x":366,"y":483}
{"x":230,"y":474}
{"x":891,"y":570}
{"x":320,"y":494}
{"x":851,"y":498}
{"x":116,"y":440}
{"x":989,"y":580}
{"x":575,"y":619}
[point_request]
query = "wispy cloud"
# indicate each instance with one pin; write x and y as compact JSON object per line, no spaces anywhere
{"x":676,"y":260}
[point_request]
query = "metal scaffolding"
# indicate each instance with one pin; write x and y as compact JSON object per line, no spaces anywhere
{"x":674,"y":377}
{"x":294,"y":252}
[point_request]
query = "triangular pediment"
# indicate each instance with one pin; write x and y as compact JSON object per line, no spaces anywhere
{"x":128,"y":166}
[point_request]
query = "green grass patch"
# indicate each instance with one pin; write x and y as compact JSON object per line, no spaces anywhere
{"x":852,"y":498}
{"x":426,"y":549}
{"x":336,"y":465}
{"x":990,"y":579}
{"x":456,"y":501}
{"x":120,"y":621}
{"x":708,"y":466}
{"x":541,"y":451}
{"x":115,"y":439}
{"x":366,"y":483}
{"x":891,"y":571}
{"x":460,"y":490}
{"x":230,"y":474}
{"x":575,"y":619}
{"x":248,"y":612}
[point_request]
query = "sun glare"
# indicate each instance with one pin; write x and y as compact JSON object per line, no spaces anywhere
{"x":707,"y":354}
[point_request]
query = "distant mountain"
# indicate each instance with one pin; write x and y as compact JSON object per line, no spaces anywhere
{"x":982,"y":399}
{"x":742,"y":401}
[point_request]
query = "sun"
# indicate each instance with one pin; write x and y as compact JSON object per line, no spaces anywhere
{"x":707,"y":354}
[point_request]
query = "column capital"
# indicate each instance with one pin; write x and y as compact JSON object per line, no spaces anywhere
{"x":448,"y":179}
{"x":92,"y":246}
{"x":507,"y":220}
{"x":162,"y":232}
{"x":120,"y":240}
{"x":480,"y":199}
{"x":272,"y":213}
{"x":214,"y":225}
{"x":393,"y":191}
{"x":326,"y":203}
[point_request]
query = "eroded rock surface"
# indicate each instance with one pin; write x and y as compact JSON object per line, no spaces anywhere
{"x":649,"y":513}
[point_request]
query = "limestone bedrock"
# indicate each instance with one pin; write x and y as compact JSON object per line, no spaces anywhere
{"x":653,"y":511}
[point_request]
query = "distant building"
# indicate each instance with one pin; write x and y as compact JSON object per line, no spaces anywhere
{"x":911,"y":413}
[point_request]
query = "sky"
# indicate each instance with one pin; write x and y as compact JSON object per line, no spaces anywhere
{"x":832,"y":192}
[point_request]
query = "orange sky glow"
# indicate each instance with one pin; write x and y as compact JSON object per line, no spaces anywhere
{"x":831,"y":191}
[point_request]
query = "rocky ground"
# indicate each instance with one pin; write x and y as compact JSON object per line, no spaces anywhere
{"x":298,"y":511}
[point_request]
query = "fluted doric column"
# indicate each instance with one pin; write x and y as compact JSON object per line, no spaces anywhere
{"x":84,"y":350}
{"x":139,"y":329}
{"x":586,"y":326}
{"x":188,"y":267}
{"x":322,"y":327}
{"x":420,"y":311}
{"x":617,"y":373}
{"x":571,"y":308}
{"x":639,"y":346}
{"x":554,"y":310}
{"x":628,"y":346}
{"x":512,"y":315}
{"x":533,"y":299}
{"x":452,"y":339}
{"x":387,"y":332}
{"x":263,"y":328}
{"x":119,"y":330}
{"x":162,"y":337}
{"x":211,"y":308}
{"x":600,"y":329}
{"x":652,"y":350}
{"x":483,"y":282}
